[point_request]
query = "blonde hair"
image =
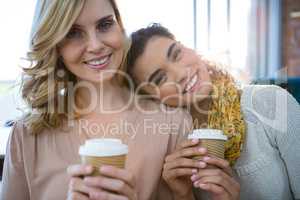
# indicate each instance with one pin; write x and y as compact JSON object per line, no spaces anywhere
{"x":42,"y":82}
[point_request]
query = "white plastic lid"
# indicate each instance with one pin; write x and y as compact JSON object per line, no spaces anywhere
{"x":103,"y":147}
{"x":207,"y":134}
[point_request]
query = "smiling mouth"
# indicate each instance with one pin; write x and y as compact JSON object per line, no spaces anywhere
{"x":98,"y":63}
{"x":191,"y":85}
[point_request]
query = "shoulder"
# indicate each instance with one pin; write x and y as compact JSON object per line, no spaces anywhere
{"x":254,"y":93}
{"x":271,"y":105}
{"x":22,"y":133}
{"x":266,"y":98}
{"x":15,"y":144}
{"x":19,"y":130}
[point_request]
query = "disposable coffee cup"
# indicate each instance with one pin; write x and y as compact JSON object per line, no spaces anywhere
{"x":212,"y":139}
{"x":98,"y":152}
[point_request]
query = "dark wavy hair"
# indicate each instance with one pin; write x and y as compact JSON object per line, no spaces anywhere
{"x":139,"y":41}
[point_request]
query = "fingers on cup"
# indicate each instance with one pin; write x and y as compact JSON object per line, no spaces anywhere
{"x":218,"y":185}
{"x":117,"y":173}
{"x":77,"y":196}
{"x":187,"y":153}
{"x":220,"y":163}
{"x":79,"y":170}
{"x":212,"y":188}
{"x":96,"y":194}
{"x":184,"y":163}
{"x":107,"y":184}
{"x":179,"y":172}
{"x":217,"y":177}
{"x":188,"y":143}
{"x":76,"y":185}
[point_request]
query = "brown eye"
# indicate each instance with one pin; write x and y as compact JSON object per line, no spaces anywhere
{"x":160,"y":78}
{"x":176,"y":54}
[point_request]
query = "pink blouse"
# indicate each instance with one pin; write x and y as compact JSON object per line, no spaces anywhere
{"x":35,"y":165}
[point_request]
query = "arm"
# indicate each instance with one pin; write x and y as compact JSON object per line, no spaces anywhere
{"x":14,"y":177}
{"x":285,"y":126}
{"x":178,"y":167}
{"x":279,"y":113}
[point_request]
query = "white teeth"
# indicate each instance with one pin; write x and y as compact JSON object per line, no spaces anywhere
{"x":192,"y":83}
{"x":98,"y":62}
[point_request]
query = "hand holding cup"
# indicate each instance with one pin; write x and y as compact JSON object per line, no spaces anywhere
{"x":101,"y":174}
{"x":217,"y":178}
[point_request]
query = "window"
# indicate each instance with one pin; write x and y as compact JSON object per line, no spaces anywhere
{"x":15,"y":19}
{"x":222,"y":31}
{"x":245,"y":35}
{"x":176,"y":15}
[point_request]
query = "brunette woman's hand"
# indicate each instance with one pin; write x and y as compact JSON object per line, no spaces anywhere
{"x":217,"y":180}
{"x":112,"y":184}
{"x":179,"y":167}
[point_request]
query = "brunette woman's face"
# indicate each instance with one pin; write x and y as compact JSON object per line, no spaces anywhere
{"x":93,"y":48}
{"x":172,"y":72}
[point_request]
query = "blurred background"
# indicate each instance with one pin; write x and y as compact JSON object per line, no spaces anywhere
{"x":258,"y":39}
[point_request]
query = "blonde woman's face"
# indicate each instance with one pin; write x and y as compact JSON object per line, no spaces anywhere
{"x":93,"y":48}
{"x":172,"y":72}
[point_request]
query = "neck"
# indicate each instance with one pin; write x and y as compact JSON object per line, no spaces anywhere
{"x":103,"y":98}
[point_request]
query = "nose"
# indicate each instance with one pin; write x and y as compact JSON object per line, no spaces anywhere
{"x":94,"y":43}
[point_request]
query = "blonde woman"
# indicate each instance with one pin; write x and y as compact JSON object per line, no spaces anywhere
{"x":75,"y":91}
{"x":262,"y":122}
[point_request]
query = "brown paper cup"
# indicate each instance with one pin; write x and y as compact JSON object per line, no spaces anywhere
{"x":98,"y":152}
{"x":212,"y":139}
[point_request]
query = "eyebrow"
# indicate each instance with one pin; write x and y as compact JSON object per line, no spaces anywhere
{"x":150,"y":79}
{"x":170,"y":50}
{"x":98,"y":21}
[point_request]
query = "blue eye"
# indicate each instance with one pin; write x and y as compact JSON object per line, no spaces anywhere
{"x":105,"y":25}
{"x":74,"y":33}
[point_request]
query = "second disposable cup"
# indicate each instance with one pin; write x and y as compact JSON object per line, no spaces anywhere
{"x":98,"y":152}
{"x":212,"y":139}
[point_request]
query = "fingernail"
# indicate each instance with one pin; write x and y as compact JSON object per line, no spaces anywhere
{"x":202,"y":185}
{"x":206,"y":158}
{"x":194,"y":177}
{"x":202,"y":164}
{"x":202,"y":150}
{"x":194,"y":171}
{"x":89,"y":169}
{"x":196,"y":183}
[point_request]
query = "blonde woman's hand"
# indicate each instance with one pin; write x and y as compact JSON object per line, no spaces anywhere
{"x":179,"y":167}
{"x":113,"y":184}
{"x":218,"y":180}
{"x":77,"y":189}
